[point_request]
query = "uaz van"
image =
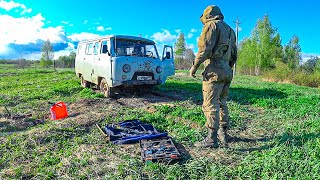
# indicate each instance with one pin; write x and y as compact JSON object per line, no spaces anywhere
{"x":122,"y":61}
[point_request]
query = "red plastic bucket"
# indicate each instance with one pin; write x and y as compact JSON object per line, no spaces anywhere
{"x":59,"y":111}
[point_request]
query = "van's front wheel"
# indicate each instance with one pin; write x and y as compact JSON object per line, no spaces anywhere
{"x":84,"y":83}
{"x":105,"y":89}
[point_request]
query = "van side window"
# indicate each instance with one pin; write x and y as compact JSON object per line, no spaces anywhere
{"x":89,"y":49}
{"x":96,"y":48}
{"x":104,"y":44}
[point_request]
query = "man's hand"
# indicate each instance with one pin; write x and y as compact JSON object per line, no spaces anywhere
{"x":193,"y":71}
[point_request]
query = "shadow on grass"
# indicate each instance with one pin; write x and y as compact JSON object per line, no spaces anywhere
{"x":244,"y":96}
{"x":297,"y":141}
{"x":285,"y":139}
{"x":183,"y":151}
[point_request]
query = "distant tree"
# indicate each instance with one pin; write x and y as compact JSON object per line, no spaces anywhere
{"x":180,"y":49}
{"x":45,"y":63}
{"x":317,"y":66}
{"x":268,"y":43}
{"x":72,"y":58}
{"x":66,"y":61}
{"x":292,"y":53}
{"x":22,"y":63}
{"x":247,"y":57}
{"x":311,"y":65}
{"x":180,"y":46}
{"x":262,"y":49}
{"x":47,"y":52}
{"x":188,"y":58}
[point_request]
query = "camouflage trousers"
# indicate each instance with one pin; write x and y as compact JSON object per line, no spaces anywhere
{"x":214,"y":106}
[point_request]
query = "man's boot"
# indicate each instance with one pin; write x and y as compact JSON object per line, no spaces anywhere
{"x":223,"y":137}
{"x":211,"y":141}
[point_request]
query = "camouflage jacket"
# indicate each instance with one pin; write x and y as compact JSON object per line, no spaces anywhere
{"x":217,"y":46}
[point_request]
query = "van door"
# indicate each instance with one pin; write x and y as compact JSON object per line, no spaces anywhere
{"x":168,"y":61}
{"x":87,"y":62}
{"x":95,"y":62}
{"x":105,"y":67}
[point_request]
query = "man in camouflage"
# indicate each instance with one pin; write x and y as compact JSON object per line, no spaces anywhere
{"x":218,"y":52}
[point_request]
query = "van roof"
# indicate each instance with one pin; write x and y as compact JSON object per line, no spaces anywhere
{"x":120,"y":37}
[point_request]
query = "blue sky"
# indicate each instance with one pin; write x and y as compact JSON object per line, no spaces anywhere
{"x":24,"y":24}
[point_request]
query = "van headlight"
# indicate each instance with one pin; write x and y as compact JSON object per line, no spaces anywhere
{"x":126,"y":68}
{"x":159,"y":69}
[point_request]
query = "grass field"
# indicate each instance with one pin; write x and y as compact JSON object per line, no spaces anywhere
{"x":275,"y":129}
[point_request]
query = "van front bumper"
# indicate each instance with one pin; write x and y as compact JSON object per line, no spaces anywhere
{"x":136,"y":82}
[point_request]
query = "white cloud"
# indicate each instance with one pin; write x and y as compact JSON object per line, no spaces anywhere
{"x":83,"y":36}
{"x":102,"y":29}
{"x":191,"y":46}
{"x":28,"y":30}
{"x":307,"y":56}
{"x":178,"y":31}
{"x":193,"y":30}
{"x":85,"y":22}
{"x":190,"y":35}
{"x":65,"y":52}
{"x":4,"y":49}
{"x":9,"y":5}
{"x":32,"y":56}
{"x":164,"y":37}
{"x":64,"y":22}
{"x":29,"y":10}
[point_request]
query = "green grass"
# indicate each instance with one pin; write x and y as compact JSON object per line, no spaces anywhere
{"x":275,"y":130}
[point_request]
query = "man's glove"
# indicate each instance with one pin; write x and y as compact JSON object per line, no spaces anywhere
{"x":193,"y":71}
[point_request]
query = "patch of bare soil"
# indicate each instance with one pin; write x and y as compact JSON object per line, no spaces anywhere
{"x":90,"y":111}
{"x":10,"y":123}
{"x":142,"y":100}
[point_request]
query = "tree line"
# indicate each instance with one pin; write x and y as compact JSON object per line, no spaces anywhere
{"x":263,"y":52}
{"x":46,"y":60}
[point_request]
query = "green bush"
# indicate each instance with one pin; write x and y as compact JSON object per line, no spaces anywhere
{"x":45,"y":63}
{"x":283,"y":74}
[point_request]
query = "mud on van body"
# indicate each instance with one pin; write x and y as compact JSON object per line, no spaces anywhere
{"x":121,"y":61}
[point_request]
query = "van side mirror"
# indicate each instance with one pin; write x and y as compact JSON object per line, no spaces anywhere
{"x":105,"y":49}
{"x":168,"y":55}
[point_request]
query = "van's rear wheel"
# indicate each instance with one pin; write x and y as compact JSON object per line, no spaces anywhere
{"x":84,"y":83}
{"x":105,"y":89}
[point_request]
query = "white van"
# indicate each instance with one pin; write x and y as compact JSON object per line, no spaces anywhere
{"x":122,"y":61}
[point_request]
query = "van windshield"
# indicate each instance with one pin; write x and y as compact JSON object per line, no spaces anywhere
{"x":125,"y":47}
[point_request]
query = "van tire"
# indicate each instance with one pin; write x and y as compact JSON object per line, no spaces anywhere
{"x":84,"y":83}
{"x":105,"y":89}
